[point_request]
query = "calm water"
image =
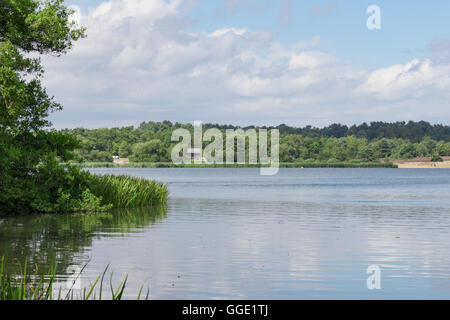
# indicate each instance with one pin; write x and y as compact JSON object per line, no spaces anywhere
{"x":232,"y":234}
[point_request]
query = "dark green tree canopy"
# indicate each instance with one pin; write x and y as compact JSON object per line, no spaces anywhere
{"x":28,"y":26}
{"x":28,"y":165}
{"x":41,"y":26}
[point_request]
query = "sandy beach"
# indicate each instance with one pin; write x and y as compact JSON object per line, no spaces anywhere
{"x":424,"y":165}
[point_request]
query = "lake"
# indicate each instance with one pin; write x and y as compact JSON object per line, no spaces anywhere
{"x":233,"y":234}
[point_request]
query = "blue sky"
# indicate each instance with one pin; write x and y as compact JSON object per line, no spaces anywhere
{"x":407,"y":26}
{"x":286,"y":36}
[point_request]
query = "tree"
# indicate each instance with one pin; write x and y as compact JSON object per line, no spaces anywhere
{"x":124,"y":149}
{"x":384,"y":147}
{"x":408,"y":151}
{"x":99,"y":156}
{"x":367,"y":153}
{"x":436,"y":158}
{"x":150,"y":151}
{"x":30,"y":176}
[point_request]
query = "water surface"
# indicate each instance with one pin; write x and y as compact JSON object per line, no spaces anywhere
{"x":233,"y":234}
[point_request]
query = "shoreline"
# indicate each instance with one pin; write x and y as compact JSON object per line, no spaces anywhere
{"x":374,"y":165}
{"x":304,"y":165}
{"x":424,"y":165}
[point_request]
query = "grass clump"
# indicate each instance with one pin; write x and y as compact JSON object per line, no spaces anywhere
{"x":128,"y":192}
{"x":27,"y":286}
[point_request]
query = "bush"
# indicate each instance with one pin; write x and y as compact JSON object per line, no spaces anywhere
{"x":436,"y":158}
{"x":99,"y":156}
{"x":56,"y":188}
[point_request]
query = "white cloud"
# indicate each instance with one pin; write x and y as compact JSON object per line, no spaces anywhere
{"x":309,"y":60}
{"x":415,"y":79}
{"x":141,"y":62}
{"x":221,"y":32}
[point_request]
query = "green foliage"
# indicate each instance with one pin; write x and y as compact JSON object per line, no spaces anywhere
{"x":124,"y":149}
{"x":150,"y":142}
{"x":355,"y":163}
{"x":65,"y":188}
{"x":408,"y":151}
{"x":149,"y":151}
{"x":367,"y":153}
{"x":436,"y":158}
{"x":39,"y":26}
{"x":97,"y":156}
{"x":50,"y":187}
{"x":128,"y":192}
{"x":31,"y":179}
{"x":28,"y":170}
{"x":73,"y":231}
{"x":22,"y":287}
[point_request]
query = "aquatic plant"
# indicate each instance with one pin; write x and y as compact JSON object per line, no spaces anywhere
{"x":303,"y":164}
{"x":27,"y":286}
{"x":128,"y":192}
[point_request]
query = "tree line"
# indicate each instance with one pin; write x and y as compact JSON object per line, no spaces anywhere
{"x":151,"y":141}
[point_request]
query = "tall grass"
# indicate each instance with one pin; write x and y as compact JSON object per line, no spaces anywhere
{"x":128,"y":192}
{"x":41,"y":287}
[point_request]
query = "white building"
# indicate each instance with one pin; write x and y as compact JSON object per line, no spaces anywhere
{"x":195,"y":154}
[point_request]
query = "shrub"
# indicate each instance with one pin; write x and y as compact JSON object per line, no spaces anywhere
{"x":436,"y":158}
{"x":56,"y":188}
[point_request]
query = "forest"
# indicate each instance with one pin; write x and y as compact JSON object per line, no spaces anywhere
{"x":151,"y":141}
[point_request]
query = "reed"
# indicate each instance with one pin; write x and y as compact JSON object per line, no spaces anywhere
{"x":306,"y":164}
{"x":128,"y":192}
{"x":27,"y":286}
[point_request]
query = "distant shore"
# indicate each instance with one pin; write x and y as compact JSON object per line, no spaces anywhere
{"x":419,"y":163}
{"x":236,"y":165}
{"x":424,"y":165}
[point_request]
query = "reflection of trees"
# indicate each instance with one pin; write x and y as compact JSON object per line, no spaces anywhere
{"x":49,"y":239}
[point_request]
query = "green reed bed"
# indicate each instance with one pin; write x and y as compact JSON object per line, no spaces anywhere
{"x":128,"y":192}
{"x":35,"y":286}
{"x":306,"y":164}
{"x":338,"y":165}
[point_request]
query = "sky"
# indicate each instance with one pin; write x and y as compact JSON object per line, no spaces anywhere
{"x":259,"y":62}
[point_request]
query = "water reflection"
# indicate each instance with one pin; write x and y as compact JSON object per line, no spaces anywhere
{"x":64,"y":238}
{"x":277,"y":249}
{"x":234,"y":234}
